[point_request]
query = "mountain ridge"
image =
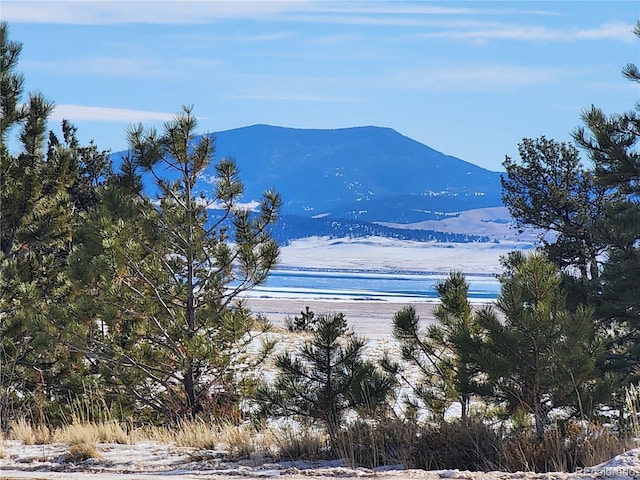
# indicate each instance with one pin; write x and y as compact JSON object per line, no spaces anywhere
{"x":353,"y":177}
{"x":336,"y":171}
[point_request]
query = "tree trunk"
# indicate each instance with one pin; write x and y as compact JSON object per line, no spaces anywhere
{"x":192,"y":406}
{"x":539,"y":417}
{"x":465,"y":403}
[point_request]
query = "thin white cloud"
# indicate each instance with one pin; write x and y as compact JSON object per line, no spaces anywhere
{"x":266,"y":37}
{"x":131,"y":66}
{"x":101,"y":65}
{"x":407,"y":14}
{"x":138,"y":11}
{"x":107,"y":114}
{"x":203,"y":11}
{"x":472,"y":77}
{"x":611,"y":31}
{"x":416,"y":8}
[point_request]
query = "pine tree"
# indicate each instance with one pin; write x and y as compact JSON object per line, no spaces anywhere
{"x":549,"y":190}
{"x":11,"y":86}
{"x":38,"y":218}
{"x":165,"y":323}
{"x":326,"y":378}
{"x":631,"y":71}
{"x":541,"y":356}
{"x":611,"y":142}
{"x":446,"y":372}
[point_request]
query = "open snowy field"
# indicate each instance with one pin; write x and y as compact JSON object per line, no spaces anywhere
{"x":390,"y":255}
{"x":370,"y":311}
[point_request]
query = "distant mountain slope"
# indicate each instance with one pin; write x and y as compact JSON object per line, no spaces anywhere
{"x":493,"y":223}
{"x":365,"y":173}
{"x":291,"y":227}
{"x":357,"y":176}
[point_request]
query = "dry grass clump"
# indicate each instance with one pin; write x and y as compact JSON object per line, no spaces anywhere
{"x":474,"y":445}
{"x":374,"y":444}
{"x":296,"y":442}
{"x":80,"y":452}
{"x":197,"y":434}
{"x":82,"y":439}
{"x":564,"y":448}
{"x":113,"y":432}
{"x":77,"y":433}
{"x":92,"y":432}
{"x":28,"y":434}
{"x":2,"y":452}
{"x":240,"y":441}
{"x":465,"y":444}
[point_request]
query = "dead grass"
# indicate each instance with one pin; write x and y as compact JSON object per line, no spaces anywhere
{"x":292,"y":442}
{"x":80,"y":452}
{"x":239,"y":441}
{"x":374,"y":444}
{"x":23,"y":431}
{"x":564,"y":448}
{"x":83,"y":437}
{"x":77,"y":433}
{"x":92,"y":432}
{"x":471,"y":445}
{"x":196,"y":434}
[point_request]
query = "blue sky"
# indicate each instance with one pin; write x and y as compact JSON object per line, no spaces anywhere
{"x":470,"y":79}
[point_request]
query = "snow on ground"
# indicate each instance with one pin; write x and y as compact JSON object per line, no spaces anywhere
{"x":154,"y":461}
{"x":493,"y":222}
{"x":386,"y":254}
{"x":370,"y":319}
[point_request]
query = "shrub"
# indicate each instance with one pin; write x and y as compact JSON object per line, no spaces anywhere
{"x":306,"y":322}
{"x":374,"y":444}
{"x":564,"y":447}
{"x":465,"y":444}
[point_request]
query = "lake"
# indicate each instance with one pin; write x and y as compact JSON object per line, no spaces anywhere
{"x":363,"y":284}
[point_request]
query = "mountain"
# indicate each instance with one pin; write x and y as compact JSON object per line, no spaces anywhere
{"x":364,"y":173}
{"x":356,"y":180}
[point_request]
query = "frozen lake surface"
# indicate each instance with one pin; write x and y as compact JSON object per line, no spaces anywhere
{"x":367,"y":284}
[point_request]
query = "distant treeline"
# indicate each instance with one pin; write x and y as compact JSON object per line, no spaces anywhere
{"x":291,"y":227}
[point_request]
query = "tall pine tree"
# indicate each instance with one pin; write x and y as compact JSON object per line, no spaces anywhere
{"x":542,"y":355}
{"x":163,"y":318}
{"x":550,"y":191}
{"x":446,"y":371}
{"x":42,"y":190}
{"x":612,"y":143}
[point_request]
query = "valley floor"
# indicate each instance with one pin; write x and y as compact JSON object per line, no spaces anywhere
{"x":372,"y":319}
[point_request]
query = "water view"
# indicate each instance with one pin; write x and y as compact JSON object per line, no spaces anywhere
{"x":369,"y":284}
